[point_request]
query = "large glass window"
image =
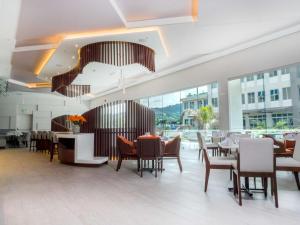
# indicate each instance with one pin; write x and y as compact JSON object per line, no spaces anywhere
{"x":181,"y":110}
{"x":278,"y":110}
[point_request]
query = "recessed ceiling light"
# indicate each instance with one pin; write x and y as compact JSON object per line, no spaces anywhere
{"x":76,"y":45}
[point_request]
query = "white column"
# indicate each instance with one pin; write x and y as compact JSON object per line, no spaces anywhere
{"x":223,"y":105}
{"x":235,"y":105}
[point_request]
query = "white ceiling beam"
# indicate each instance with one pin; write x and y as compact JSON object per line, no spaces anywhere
{"x":160,"y":22}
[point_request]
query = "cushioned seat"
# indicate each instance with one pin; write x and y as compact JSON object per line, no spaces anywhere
{"x":287,"y":162}
{"x":226,"y":161}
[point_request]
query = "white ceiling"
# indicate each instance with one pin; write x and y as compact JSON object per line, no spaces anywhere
{"x":221,"y":25}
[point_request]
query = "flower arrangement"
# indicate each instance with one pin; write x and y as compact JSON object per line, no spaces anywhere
{"x":76,"y":119}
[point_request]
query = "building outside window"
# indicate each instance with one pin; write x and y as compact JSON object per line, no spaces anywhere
{"x":214,"y":85}
{"x":243,"y":99}
{"x":186,"y":105}
{"x":261,"y":96}
{"x":251,"y":98}
{"x":192,"y":105}
{"x":274,"y":94}
{"x":286,"y":93}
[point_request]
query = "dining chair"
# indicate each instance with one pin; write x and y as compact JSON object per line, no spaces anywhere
{"x":150,"y":148}
{"x":221,"y":163}
{"x":291,"y":164}
{"x":202,"y":144}
{"x":32,"y":141}
{"x":127,"y":151}
{"x":281,"y":151}
{"x":172,"y":151}
{"x":255,"y":159}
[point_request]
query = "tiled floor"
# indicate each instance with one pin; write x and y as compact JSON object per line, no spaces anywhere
{"x":35,"y":191}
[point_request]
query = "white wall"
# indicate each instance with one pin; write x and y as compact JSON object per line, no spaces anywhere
{"x":276,"y":53}
{"x":27,"y":111}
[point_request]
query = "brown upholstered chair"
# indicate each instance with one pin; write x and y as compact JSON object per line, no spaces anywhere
{"x":282,"y":151}
{"x":150,"y":148}
{"x":126,"y":150}
{"x":172,"y":150}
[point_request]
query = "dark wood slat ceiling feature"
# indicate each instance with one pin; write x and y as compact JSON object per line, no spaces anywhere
{"x":116,"y":53}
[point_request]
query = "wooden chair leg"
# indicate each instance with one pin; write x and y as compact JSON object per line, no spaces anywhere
{"x":230,"y":174}
{"x":265,"y":186}
{"x":119,"y":163}
{"x":297,"y":179}
{"x":275,"y":189}
{"x":179,"y":163}
{"x":235,"y":191}
{"x":239,"y":189}
{"x":207,"y":171}
{"x":141,"y":168}
{"x":162,"y":165}
{"x":138,"y":165}
{"x":156,"y":161}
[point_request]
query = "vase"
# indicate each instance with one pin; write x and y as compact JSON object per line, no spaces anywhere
{"x":76,"y":128}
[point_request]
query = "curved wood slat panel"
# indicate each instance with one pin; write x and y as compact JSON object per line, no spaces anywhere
{"x":60,"y":124}
{"x":116,"y":53}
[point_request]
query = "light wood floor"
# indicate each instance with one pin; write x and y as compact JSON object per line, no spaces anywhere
{"x":35,"y":191}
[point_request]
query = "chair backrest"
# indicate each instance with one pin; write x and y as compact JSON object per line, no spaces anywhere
{"x":256,"y":155}
{"x":199,"y":138}
{"x":173,"y":146}
{"x":296,"y":154}
{"x":124,"y":146}
{"x":33,"y":135}
{"x":216,"y":140}
{"x":149,"y":147}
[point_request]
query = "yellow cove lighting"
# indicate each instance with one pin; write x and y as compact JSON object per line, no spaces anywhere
{"x":47,"y":56}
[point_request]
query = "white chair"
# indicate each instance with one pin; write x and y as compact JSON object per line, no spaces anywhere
{"x":291,"y":164}
{"x":255,"y":159}
{"x":223,"y":163}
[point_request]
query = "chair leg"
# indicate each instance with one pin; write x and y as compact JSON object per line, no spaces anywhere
{"x":119,"y":163}
{"x":207,"y":171}
{"x":179,"y":163}
{"x":239,"y":189}
{"x":265,"y":186}
{"x":141,"y":168}
{"x":156,"y":167}
{"x":235,"y":191}
{"x":138,"y":165}
{"x":162,"y":165}
{"x":297,"y":179}
{"x":230,"y":174}
{"x":274,"y":180}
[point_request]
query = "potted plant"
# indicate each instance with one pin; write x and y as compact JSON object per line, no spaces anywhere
{"x":76,"y":121}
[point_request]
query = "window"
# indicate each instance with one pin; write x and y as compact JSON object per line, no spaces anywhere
{"x":243,"y":99}
{"x":214,"y":102}
{"x":186,"y":121}
{"x":250,"y":78}
{"x":251,"y":98}
{"x":242,"y":79}
{"x":261,"y":96}
{"x":214,"y":85}
{"x":286,"y":93}
{"x":273,"y":73}
{"x":257,"y":121}
{"x":205,"y":102}
{"x":274,"y":95}
{"x":192,"y":105}
{"x":285,"y":70}
{"x":260,"y":76}
{"x":186,"y":105}
{"x":282,"y":120}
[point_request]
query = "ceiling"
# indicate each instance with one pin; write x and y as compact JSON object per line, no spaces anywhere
{"x":179,"y":31}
